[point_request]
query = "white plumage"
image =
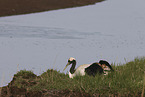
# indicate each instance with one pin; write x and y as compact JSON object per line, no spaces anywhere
{"x":90,"y":69}
{"x":80,"y":71}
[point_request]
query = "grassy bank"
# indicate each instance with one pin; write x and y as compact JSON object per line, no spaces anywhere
{"x":127,"y":80}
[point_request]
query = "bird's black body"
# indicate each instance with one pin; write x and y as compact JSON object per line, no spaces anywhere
{"x":97,"y":68}
{"x":93,"y":69}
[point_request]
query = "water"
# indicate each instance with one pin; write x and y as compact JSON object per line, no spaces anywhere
{"x":46,"y":40}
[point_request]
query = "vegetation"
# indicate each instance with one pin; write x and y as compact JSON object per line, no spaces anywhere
{"x":127,"y":80}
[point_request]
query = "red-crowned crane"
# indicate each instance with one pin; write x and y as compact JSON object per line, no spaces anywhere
{"x":91,"y":69}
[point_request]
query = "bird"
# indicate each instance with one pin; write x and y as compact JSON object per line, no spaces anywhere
{"x":106,"y":67}
{"x":89,"y":69}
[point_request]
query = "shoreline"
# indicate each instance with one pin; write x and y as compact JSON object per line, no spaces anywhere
{"x":17,"y":7}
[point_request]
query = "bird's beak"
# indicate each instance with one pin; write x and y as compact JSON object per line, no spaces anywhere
{"x":66,"y":65}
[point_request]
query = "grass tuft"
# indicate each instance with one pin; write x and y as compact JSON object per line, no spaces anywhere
{"x":25,"y":74}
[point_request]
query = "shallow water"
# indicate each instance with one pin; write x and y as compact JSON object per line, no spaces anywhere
{"x":46,"y":40}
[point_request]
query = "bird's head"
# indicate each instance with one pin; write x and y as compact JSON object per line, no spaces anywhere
{"x":70,"y":61}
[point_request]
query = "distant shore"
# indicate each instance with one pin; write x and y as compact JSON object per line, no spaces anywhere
{"x":16,"y":7}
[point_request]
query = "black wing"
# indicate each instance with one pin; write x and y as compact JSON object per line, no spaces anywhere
{"x":106,"y":63}
{"x":93,"y":69}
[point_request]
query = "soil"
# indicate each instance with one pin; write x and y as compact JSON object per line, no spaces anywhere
{"x":15,"y":7}
{"x":12,"y":89}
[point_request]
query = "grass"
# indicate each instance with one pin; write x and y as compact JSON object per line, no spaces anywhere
{"x":127,"y":80}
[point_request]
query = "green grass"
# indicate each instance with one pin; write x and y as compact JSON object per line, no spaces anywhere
{"x":127,"y":80}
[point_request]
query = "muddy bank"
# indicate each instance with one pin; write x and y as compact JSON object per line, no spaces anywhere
{"x":14,"y":89}
{"x":15,"y":7}
{"x":22,"y":92}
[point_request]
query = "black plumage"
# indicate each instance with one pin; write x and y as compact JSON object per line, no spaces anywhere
{"x":93,"y":69}
{"x":106,"y":63}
